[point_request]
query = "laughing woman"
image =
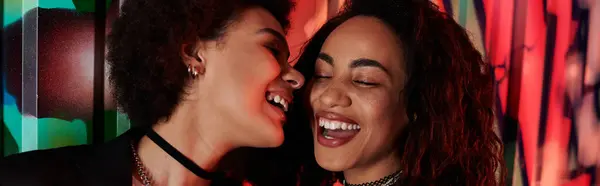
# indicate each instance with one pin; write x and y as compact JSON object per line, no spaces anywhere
{"x":399,"y":96}
{"x":198,"y":78}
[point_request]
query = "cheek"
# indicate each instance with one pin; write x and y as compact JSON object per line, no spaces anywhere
{"x":381,"y":114}
{"x":263,"y":67}
{"x":251,"y":70}
{"x":377,"y":114}
{"x":315,"y":93}
{"x":382,"y":131}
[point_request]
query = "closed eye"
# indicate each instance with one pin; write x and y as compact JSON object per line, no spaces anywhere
{"x":321,"y":77}
{"x":276,"y":53}
{"x":366,"y":83}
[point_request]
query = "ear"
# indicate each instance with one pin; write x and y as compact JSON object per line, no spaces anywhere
{"x":190,"y":54}
{"x":192,"y":57}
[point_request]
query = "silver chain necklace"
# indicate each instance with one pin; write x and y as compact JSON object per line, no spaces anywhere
{"x":146,"y":181}
{"x":389,"y":180}
{"x":140,"y":167}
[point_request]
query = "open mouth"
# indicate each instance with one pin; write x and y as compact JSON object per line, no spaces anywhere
{"x":334,"y":133}
{"x":277,"y":101}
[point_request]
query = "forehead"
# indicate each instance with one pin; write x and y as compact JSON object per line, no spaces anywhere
{"x":253,"y":19}
{"x":364,"y":37}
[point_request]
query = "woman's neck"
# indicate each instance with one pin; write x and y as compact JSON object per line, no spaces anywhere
{"x":191,"y":139}
{"x":373,"y":171}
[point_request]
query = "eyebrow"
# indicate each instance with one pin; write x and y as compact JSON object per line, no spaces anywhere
{"x":325,"y":57}
{"x":278,"y":36}
{"x":361,"y":62}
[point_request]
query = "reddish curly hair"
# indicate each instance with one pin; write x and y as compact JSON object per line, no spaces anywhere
{"x":450,"y":90}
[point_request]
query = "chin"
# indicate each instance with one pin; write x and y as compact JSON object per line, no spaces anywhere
{"x":331,"y":161}
{"x":333,"y":165}
{"x":274,"y":141}
{"x":267,"y":136}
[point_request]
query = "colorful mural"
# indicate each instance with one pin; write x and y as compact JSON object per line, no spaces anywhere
{"x":49,"y":77}
{"x":545,"y":53}
{"x":546,"y":61}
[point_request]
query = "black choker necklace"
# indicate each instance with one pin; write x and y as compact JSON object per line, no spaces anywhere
{"x":186,"y":162}
{"x":389,"y":180}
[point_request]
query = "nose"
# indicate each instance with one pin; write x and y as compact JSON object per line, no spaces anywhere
{"x":293,"y":78}
{"x":334,"y":96}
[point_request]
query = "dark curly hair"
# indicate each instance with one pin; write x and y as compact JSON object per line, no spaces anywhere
{"x":450,"y":89}
{"x":144,"y":47}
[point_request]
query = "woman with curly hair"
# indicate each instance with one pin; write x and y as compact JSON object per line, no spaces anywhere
{"x":197,"y":78}
{"x":398,"y":95}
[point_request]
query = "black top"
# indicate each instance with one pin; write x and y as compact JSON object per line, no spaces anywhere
{"x":106,"y":164}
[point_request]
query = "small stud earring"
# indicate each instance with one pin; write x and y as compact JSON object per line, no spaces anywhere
{"x":192,"y":71}
{"x":415,"y":117}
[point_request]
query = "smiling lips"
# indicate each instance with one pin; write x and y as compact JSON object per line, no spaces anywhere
{"x":335,"y":130}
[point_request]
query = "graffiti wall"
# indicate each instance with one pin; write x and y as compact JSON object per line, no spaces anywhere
{"x":546,"y":58}
{"x":53,"y":93}
{"x":545,"y":53}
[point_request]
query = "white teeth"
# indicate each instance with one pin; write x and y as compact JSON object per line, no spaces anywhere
{"x":279,"y":100}
{"x":285,"y":105}
{"x":337,"y":125}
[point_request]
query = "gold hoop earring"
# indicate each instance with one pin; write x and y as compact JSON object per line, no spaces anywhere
{"x":192,"y":71}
